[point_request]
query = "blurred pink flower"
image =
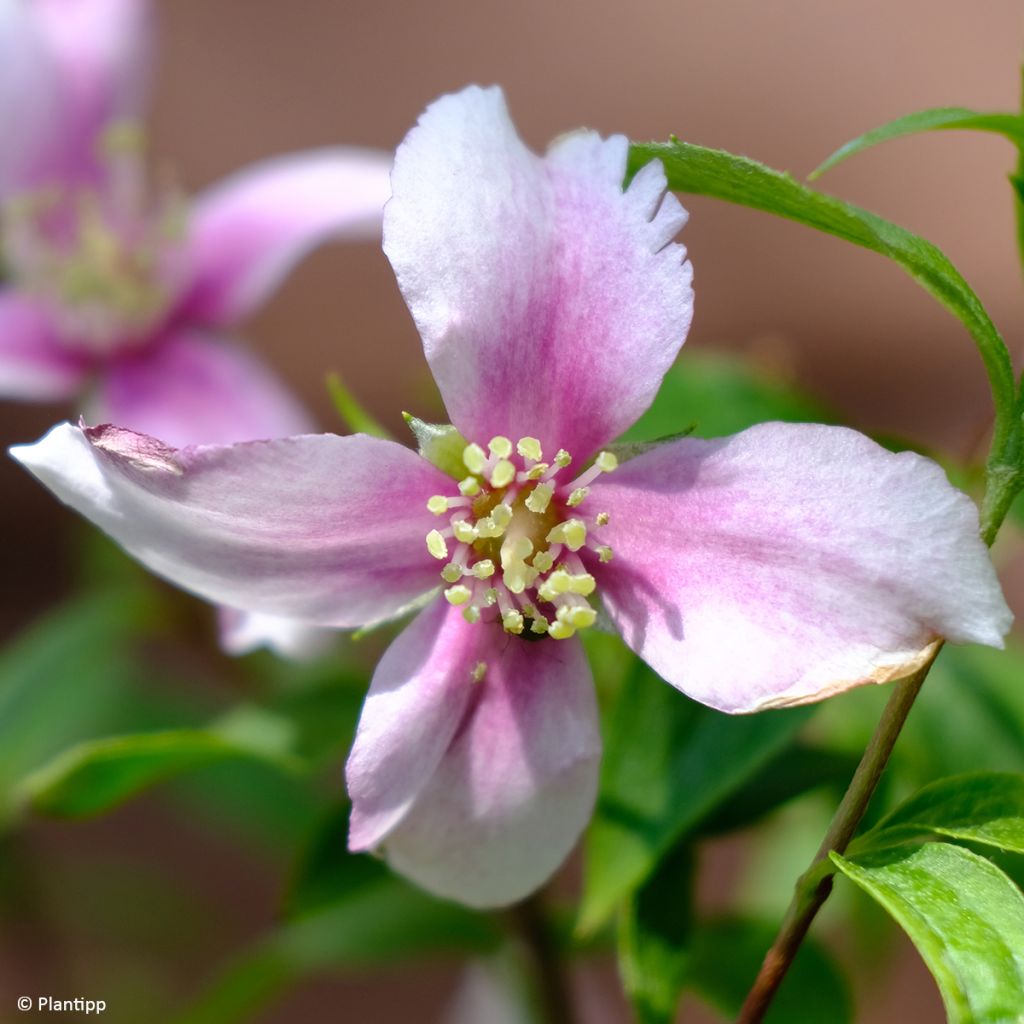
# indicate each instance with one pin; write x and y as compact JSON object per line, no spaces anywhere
{"x":770,"y":568}
{"x":125,"y":302}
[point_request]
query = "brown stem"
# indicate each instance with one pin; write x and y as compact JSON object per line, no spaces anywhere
{"x":550,"y":982}
{"x":815,"y":884}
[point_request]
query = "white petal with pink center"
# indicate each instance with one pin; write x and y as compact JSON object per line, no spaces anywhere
{"x":550,"y":301}
{"x":791,"y":562}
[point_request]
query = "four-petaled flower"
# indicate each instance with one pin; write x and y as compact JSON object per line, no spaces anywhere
{"x":121,"y":300}
{"x":770,"y":568}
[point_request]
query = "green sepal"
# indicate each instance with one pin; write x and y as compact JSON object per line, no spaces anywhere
{"x":440,"y":444}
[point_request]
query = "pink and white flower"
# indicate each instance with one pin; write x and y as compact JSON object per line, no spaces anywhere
{"x":771,"y":568}
{"x":126,"y":303}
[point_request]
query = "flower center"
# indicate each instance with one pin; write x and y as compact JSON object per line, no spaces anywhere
{"x":105,"y":260}
{"x":516,"y":532}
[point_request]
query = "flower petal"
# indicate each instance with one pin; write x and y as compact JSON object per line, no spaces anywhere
{"x":102,"y":50}
{"x":550,"y":302}
{"x":33,"y":364}
{"x":791,"y":562}
{"x":249,"y":231}
{"x":190,"y":389}
{"x":30,"y":100}
{"x":323,"y":529}
{"x":477,"y":790}
{"x":245,"y":632}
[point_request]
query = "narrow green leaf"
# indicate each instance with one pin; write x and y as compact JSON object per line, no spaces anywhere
{"x":96,"y":776}
{"x":937,"y":119}
{"x":668,"y":762}
{"x":737,"y":179}
{"x":983,"y":807}
{"x":654,"y":938}
{"x":965,"y":917}
{"x":351,"y":411}
{"x":725,"y":959}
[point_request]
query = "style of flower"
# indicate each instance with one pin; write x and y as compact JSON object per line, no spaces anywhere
{"x":771,"y":568}
{"x":123,"y":301}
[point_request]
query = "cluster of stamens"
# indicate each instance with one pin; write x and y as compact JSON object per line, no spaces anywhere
{"x":106,"y":261}
{"x":512,"y":547}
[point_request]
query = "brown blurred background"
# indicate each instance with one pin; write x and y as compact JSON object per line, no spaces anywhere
{"x":785,"y":82}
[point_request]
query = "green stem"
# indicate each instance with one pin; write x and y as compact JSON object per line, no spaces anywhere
{"x":550,"y":982}
{"x":814,"y":887}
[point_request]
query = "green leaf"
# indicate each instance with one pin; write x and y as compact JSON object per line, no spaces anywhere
{"x":737,"y":179}
{"x":965,"y":917}
{"x":351,"y":411}
{"x":668,"y":762}
{"x":983,"y":807}
{"x":440,"y":444}
{"x":96,"y":776}
{"x":725,"y":959}
{"x":654,"y":938}
{"x":792,"y":773}
{"x":720,"y":395}
{"x":937,"y":119}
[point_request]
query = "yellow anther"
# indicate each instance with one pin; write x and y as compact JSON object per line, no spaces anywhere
{"x":562,"y":458}
{"x":536,"y":472}
{"x":474,"y":458}
{"x":529,"y":448}
{"x":459,"y":594}
{"x":502,"y":515}
{"x":483,"y":569}
{"x":465,"y":531}
{"x":560,"y":630}
{"x":490,"y":597}
{"x":438,"y":504}
{"x":572,"y":533}
{"x":539,"y":624}
{"x":436,"y":545}
{"x":578,"y":616}
{"x":542,"y":561}
{"x":578,"y":496}
{"x":479,"y":671}
{"x":604,"y":553}
{"x":503,"y":473}
{"x":606,"y":462}
{"x":539,"y":498}
{"x":487,"y":527}
{"x":471,"y":614}
{"x":602,"y":518}
{"x":500,"y":446}
{"x":560,"y":581}
{"x":469,"y":487}
{"x":512,"y":622}
{"x":583,"y":584}
{"x":451,"y":573}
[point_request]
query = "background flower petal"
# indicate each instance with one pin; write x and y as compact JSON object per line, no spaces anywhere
{"x":791,"y":562}
{"x":189,"y":389}
{"x":103,"y":53}
{"x":30,"y":99}
{"x":33,"y":364}
{"x":550,"y":303}
{"x":249,"y":231}
{"x":516,"y":786}
{"x":323,"y":529}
